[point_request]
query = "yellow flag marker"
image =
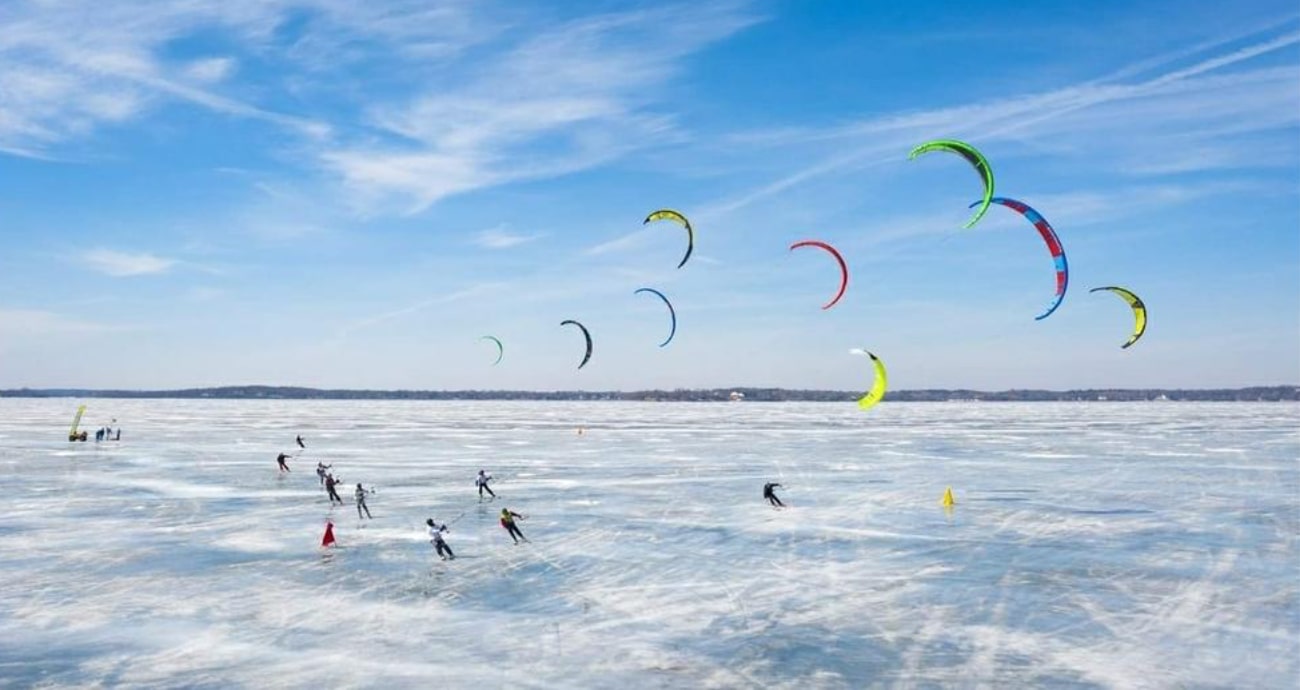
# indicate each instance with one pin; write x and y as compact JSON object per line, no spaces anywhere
{"x":948,"y":501}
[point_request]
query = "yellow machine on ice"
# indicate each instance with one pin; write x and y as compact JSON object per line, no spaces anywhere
{"x":73,"y":435}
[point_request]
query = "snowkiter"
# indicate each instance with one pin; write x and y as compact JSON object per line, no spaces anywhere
{"x":435,"y":538}
{"x":508,"y":522}
{"x":330,"y":483}
{"x":361,"y":500}
{"x":482,"y":482}
{"x":769,"y":493}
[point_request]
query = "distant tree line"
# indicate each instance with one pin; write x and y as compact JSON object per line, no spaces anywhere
{"x":1253,"y":394}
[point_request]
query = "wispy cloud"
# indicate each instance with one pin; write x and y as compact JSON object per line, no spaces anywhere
{"x":501,"y":238}
{"x":121,"y":264}
{"x":29,"y":323}
{"x":567,"y":98}
{"x":209,"y":70}
{"x":382,"y":317}
{"x":540,"y":98}
{"x":628,"y":242}
{"x":204,"y":294}
{"x":1081,"y":208}
{"x":1183,"y":113}
{"x":68,"y":69}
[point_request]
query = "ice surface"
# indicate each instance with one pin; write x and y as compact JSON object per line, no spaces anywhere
{"x":1093,"y":545}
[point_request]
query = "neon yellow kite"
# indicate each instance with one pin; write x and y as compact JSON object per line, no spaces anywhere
{"x":877,"y":391}
{"x":1139,"y":311}
{"x":669,"y":214}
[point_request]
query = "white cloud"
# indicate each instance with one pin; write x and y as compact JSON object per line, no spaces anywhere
{"x":539,"y":99}
{"x":29,"y":323}
{"x":204,"y":294}
{"x":69,"y":68}
{"x":566,"y":98}
{"x":628,"y":242}
{"x":1177,"y":121}
{"x":1081,"y":208}
{"x":500,"y":238}
{"x":210,"y":70}
{"x":121,"y":264}
{"x":448,"y":298}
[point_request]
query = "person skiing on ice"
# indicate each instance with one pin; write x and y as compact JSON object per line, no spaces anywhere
{"x":330,"y":483}
{"x":770,"y":494}
{"x":482,"y":482}
{"x":435,"y":538}
{"x":508,"y":522}
{"x":361,"y":500}
{"x":284,"y":466}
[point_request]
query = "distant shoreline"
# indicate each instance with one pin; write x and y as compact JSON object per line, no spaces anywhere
{"x":747,"y":394}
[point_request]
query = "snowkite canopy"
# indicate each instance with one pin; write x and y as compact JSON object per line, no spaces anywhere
{"x":76,"y":421}
{"x":501,"y":349}
{"x":585,"y":334}
{"x":669,"y":214}
{"x":972,"y":156}
{"x":1053,"y":246}
{"x":877,"y":391}
{"x":672,"y":313}
{"x":844,"y":269}
{"x":1139,"y":311}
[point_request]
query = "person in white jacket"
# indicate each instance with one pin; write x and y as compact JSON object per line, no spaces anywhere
{"x":482,"y":482}
{"x":440,"y":544}
{"x":361,"y":500}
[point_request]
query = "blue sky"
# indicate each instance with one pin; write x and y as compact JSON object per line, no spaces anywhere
{"x":341,"y":194}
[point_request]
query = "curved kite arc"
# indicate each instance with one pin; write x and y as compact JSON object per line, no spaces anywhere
{"x":844,"y":268}
{"x":972,"y":156}
{"x":672,"y":313}
{"x":1139,"y":311}
{"x":1054,"y":247}
{"x":669,"y":214}
{"x":877,"y":391}
{"x":501,"y":349}
{"x":585,"y":334}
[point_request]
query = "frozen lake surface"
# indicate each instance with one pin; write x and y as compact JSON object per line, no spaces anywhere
{"x":1093,"y":545}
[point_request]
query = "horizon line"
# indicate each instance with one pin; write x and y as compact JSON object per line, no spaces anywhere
{"x":522,"y":391}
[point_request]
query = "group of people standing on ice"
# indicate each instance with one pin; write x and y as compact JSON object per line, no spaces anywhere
{"x":328,"y":481}
{"x":436,"y":531}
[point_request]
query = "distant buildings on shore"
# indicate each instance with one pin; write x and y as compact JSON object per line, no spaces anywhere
{"x":1254,"y":394}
